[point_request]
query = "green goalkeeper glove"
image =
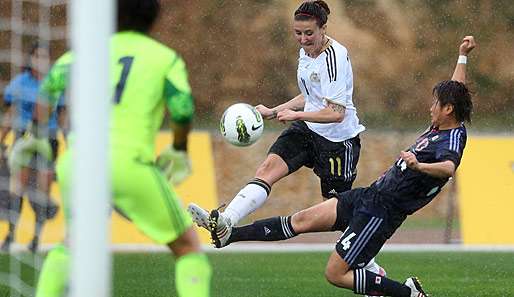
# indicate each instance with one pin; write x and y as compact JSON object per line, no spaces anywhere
{"x":24,"y":149}
{"x":175,"y":165}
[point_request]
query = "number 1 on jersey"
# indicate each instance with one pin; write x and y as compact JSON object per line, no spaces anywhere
{"x":120,"y":86}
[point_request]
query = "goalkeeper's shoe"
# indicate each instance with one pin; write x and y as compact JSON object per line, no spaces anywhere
{"x":416,"y":290}
{"x":200,"y":216}
{"x":375,"y":268}
{"x":220,"y":228}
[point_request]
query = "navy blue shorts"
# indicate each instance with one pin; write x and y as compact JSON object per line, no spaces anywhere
{"x":366,"y":224}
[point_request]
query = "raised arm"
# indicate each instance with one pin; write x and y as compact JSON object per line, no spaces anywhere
{"x":468,"y":44}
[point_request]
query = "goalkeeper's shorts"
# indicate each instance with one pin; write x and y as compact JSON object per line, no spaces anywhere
{"x":140,"y":192}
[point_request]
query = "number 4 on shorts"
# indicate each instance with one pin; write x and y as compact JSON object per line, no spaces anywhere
{"x":345,"y":242}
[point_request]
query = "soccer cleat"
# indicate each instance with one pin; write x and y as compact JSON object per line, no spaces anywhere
{"x":220,"y":229}
{"x":416,"y":290}
{"x":200,"y":216}
{"x":375,"y":268}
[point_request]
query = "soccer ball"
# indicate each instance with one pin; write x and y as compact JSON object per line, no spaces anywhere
{"x":241,"y":124}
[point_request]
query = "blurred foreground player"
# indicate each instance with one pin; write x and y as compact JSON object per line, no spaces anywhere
{"x":147,"y":77}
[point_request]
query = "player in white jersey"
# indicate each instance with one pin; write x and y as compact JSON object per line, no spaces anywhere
{"x":325,"y":131}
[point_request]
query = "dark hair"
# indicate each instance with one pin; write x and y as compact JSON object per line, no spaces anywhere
{"x":32,"y":50}
{"x":457,"y":94}
{"x":313,"y":10}
{"x":137,"y":15}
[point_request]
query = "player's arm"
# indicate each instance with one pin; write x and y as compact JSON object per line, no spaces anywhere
{"x":468,"y":44}
{"x":444,"y":169}
{"x":177,"y":94}
{"x":174,"y":162}
{"x":334,"y":112}
{"x":52,"y":89}
{"x":297,"y":103}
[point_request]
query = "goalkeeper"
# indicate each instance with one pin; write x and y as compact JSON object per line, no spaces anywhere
{"x":146,"y":77}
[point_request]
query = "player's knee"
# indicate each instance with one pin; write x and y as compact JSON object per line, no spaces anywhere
{"x":337,"y":272}
{"x":300,"y":221}
{"x":331,"y":275}
{"x":272,"y":169}
{"x":265,"y":168}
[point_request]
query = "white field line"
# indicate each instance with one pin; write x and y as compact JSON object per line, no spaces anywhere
{"x":297,"y":247}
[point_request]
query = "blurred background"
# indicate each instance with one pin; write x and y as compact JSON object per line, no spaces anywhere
{"x":244,"y":51}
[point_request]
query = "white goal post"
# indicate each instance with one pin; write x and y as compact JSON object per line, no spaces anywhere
{"x":92,"y":23}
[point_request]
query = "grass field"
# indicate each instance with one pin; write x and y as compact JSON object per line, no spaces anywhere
{"x":465,"y":274}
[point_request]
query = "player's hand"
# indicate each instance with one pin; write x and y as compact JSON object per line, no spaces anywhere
{"x":468,"y":44}
{"x":287,"y":115}
{"x":175,"y":165}
{"x":24,"y":149}
{"x":266,"y":113}
{"x":410,"y":159}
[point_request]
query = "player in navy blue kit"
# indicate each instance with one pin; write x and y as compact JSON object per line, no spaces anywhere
{"x":369,"y":216}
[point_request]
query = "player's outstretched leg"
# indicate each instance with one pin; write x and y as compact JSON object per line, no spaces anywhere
{"x":248,"y":199}
{"x":54,"y":274}
{"x":270,"y":229}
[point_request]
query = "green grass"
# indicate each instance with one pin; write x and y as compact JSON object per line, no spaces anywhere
{"x":454,"y":274}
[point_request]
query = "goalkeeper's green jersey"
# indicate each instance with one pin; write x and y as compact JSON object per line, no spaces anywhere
{"x":145,"y":76}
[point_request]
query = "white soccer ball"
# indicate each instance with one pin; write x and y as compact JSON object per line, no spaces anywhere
{"x":241,"y":124}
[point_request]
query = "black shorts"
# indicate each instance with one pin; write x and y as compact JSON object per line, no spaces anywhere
{"x":366,"y":224}
{"x":335,"y":163}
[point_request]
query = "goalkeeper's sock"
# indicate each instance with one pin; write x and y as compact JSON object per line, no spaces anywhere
{"x":53,"y":278}
{"x":193,"y":275}
{"x":369,"y":283}
{"x":271,"y":229}
{"x":249,"y":198}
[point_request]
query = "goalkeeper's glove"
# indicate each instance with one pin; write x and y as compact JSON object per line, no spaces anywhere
{"x":174,"y":164}
{"x":25,"y":148}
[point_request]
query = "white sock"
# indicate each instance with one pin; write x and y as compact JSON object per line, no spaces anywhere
{"x":373,"y":266}
{"x":249,"y":198}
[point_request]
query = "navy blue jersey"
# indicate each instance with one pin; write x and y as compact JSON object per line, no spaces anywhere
{"x":409,"y":190}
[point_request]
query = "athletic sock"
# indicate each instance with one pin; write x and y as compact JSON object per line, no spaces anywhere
{"x":369,"y":283}
{"x":193,"y":275}
{"x":53,"y":278}
{"x":271,"y":229}
{"x":249,"y":198}
{"x":15,"y":204}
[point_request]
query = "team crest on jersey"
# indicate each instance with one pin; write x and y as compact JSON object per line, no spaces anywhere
{"x":422,"y":144}
{"x":314,"y":77}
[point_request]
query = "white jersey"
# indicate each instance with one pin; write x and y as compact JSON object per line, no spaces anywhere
{"x":329,"y":77}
